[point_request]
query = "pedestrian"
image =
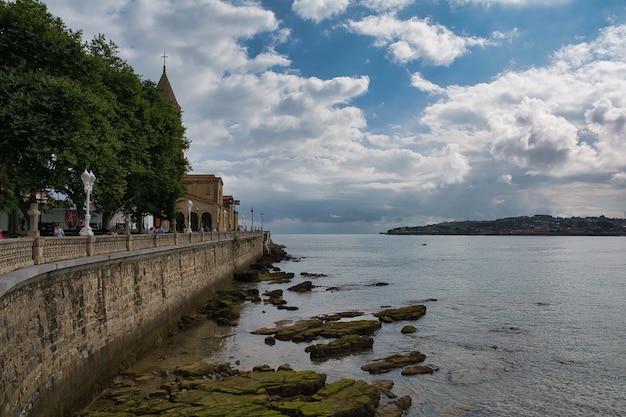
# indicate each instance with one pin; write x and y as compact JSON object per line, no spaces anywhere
{"x":160,"y":230}
{"x":1,"y":234}
{"x":58,"y":231}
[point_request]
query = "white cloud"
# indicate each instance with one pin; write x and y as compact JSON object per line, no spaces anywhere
{"x":415,"y":39}
{"x":562,"y":120}
{"x":519,"y":3}
{"x":386,"y":5}
{"x":422,"y":84}
{"x":318,"y":10}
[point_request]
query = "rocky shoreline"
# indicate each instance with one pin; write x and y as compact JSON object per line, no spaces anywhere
{"x":217,"y":389}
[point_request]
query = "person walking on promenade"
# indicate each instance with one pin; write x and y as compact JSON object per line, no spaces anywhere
{"x":58,"y":231}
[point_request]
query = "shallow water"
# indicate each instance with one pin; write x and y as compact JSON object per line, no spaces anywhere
{"x":530,"y":326}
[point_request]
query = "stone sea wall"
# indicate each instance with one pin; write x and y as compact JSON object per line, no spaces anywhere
{"x":68,"y":331}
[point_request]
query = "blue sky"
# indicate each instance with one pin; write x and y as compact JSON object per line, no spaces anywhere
{"x":356,"y":116}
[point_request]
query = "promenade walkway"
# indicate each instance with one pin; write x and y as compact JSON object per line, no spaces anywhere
{"x":22,"y":259}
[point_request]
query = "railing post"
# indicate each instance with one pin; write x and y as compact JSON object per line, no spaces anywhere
{"x":91,"y":240}
{"x":37,"y":251}
{"x":129,"y":242}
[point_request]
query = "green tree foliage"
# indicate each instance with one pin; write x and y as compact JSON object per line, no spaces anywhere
{"x":67,"y":105}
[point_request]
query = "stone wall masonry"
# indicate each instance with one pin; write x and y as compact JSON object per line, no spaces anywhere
{"x":68,"y":331}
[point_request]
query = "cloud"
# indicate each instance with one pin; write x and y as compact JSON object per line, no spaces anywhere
{"x":386,"y":5}
{"x":304,"y":147}
{"x":318,"y":10}
{"x":517,"y":3}
{"x":563,"y":120}
{"x":422,"y":84}
{"x":415,"y":39}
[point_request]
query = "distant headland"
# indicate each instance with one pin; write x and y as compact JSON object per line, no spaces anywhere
{"x":543,"y":225}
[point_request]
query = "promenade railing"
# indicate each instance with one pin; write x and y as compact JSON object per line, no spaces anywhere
{"x":23,"y":252}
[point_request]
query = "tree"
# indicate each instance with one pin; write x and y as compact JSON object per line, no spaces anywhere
{"x":66,"y":106}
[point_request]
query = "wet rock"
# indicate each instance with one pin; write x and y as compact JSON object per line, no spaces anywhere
{"x":418,"y":370}
{"x":247,"y":276}
{"x":305,"y":286}
{"x":384,"y":386}
{"x":402,"y":313}
{"x":223,"y":306}
{"x":309,"y":330}
{"x":408,"y":329}
{"x":339,"y":316}
{"x":393,"y":362}
{"x":264,"y":391}
{"x":312,"y":275}
{"x":277,"y":277}
{"x":347,"y":344}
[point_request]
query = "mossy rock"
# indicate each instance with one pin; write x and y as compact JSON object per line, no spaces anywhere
{"x":347,"y":344}
{"x":344,"y":398}
{"x":402,"y":313}
{"x":393,"y":362}
{"x":408,"y":329}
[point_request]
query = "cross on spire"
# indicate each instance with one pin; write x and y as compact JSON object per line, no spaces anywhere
{"x":164,"y":57}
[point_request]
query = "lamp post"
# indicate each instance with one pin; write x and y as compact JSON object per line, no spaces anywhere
{"x":88,"y":180}
{"x":252,"y":216}
{"x":262,"y":221}
{"x":189,"y":206}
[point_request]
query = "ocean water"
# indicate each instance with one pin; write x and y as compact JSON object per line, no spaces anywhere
{"x":517,"y":325}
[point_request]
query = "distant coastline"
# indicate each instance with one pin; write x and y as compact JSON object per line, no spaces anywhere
{"x":540,"y":225}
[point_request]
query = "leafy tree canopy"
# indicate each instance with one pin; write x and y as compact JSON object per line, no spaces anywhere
{"x":66,"y":105}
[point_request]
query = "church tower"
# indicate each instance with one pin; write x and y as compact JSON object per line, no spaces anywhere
{"x":165,"y":88}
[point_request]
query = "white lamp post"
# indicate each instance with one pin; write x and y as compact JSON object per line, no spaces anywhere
{"x":88,"y":180}
{"x":189,"y":206}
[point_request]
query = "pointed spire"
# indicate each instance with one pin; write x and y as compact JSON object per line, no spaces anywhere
{"x":165,"y":87}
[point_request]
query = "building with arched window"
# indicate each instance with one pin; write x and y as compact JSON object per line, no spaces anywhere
{"x":204,"y":207}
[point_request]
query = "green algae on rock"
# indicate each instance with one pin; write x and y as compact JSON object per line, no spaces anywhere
{"x":282,"y":392}
{"x":402,"y":313}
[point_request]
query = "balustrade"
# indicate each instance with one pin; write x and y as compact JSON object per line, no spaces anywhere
{"x":22,"y":252}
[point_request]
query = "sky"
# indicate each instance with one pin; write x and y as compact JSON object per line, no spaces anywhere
{"x":357,"y":116}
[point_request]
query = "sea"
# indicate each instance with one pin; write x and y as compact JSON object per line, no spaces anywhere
{"x":515,"y":325}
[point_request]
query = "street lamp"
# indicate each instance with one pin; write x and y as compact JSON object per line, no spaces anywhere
{"x":252,"y":213}
{"x":189,"y":206}
{"x":262,"y":220}
{"x":88,"y":180}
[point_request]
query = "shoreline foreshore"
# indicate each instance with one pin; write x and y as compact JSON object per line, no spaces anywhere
{"x":198,"y":388}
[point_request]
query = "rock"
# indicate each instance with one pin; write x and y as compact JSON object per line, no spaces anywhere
{"x":344,"y":345}
{"x":283,"y":392}
{"x":277,"y":277}
{"x":418,"y":370}
{"x":223,"y":306}
{"x":393,"y":362}
{"x":270,"y":340}
{"x":247,"y":276}
{"x":408,"y":329}
{"x":402,"y":313}
{"x":384,"y":386}
{"x":309,"y":330}
{"x":305,"y":286}
{"x":311,"y":275}
{"x":204,"y":369}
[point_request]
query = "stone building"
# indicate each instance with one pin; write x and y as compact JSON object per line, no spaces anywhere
{"x":204,"y":206}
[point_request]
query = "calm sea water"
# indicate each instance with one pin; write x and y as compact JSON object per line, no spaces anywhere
{"x":518,"y":326}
